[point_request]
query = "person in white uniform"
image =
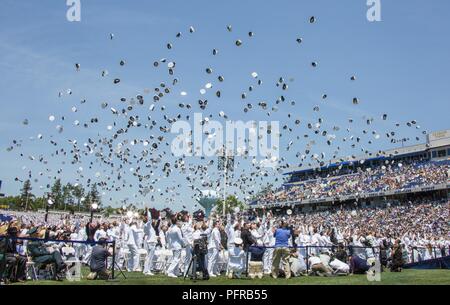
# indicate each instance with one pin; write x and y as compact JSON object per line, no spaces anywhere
{"x":214,"y":246}
{"x":268,"y":241}
{"x":150,"y":241}
{"x":132,"y":237}
{"x":236,"y":259}
{"x":175,"y":243}
{"x":339,"y":267}
{"x":187,"y":230}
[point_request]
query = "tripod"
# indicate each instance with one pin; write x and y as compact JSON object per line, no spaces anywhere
{"x":115,"y":264}
{"x":120,"y":270}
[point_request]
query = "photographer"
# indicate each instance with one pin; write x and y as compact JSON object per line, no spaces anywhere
{"x":200,"y":250}
{"x":97,"y":264}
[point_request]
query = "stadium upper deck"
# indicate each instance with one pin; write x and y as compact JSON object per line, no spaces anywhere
{"x":413,"y":169}
{"x":437,"y":148}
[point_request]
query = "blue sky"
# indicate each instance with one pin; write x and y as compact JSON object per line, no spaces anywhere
{"x":401,"y":65}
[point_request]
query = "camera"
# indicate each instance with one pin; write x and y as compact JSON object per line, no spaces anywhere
{"x":201,"y":245}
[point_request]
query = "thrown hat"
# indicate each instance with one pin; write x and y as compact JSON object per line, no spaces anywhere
{"x":238,"y":241}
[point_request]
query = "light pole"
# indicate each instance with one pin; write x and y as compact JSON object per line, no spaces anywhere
{"x":94,"y":207}
{"x":224,"y":186}
{"x":49,"y":203}
{"x":225,"y":163}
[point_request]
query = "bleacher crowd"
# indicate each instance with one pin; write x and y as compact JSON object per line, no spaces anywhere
{"x":388,"y":177}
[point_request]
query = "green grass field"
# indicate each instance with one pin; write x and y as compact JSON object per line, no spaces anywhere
{"x":406,"y":277}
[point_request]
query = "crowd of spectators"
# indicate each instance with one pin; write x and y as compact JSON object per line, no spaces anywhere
{"x":388,"y":177}
{"x":394,"y":234}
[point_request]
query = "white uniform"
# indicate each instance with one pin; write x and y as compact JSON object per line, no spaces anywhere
{"x":315,"y":242}
{"x":302,"y":241}
{"x":314,"y":260}
{"x":132,"y":238}
{"x":175,"y":243}
{"x":231,"y":234}
{"x":297,"y":265}
{"x":114,"y":235}
{"x":149,"y":245}
{"x":187,"y":231}
{"x":100,"y":233}
{"x":236,"y":258}
{"x":213,"y":251}
{"x":339,"y":266}
{"x":268,"y":241}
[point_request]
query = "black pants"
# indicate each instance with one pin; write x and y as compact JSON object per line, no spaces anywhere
{"x":53,"y":258}
{"x":13,"y":262}
{"x":201,"y":263}
{"x":2,"y":268}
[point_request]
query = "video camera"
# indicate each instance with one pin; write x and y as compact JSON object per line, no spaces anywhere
{"x":201,"y":245}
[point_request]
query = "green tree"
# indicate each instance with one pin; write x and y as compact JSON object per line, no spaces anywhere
{"x":78,"y":193}
{"x":11,"y":202}
{"x":230,"y":204}
{"x":92,"y":197}
{"x":26,"y":196}
{"x":57,"y":194}
{"x":109,"y":210}
{"x":67,"y":194}
{"x":39,"y":203}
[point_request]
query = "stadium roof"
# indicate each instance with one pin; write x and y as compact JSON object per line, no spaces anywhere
{"x":434,"y":139}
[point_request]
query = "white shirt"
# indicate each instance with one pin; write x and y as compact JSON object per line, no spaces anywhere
{"x":258,"y":237}
{"x":214,"y":239}
{"x":236,"y":257}
{"x":132,"y":234}
{"x":338,"y":265}
{"x":188,"y":231}
{"x":100,"y":234}
{"x":150,"y":234}
{"x":174,"y":238}
{"x":314,"y":260}
{"x":162,"y":238}
{"x":114,"y":233}
{"x":324,"y":258}
{"x":315,"y":239}
{"x":231,"y":234}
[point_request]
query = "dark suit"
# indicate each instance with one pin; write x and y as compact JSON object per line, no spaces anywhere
{"x":14,"y":260}
{"x":41,"y":255}
{"x":247,"y":239}
{"x":2,"y":258}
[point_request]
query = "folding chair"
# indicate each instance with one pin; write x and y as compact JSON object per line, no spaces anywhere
{"x":31,"y":267}
{"x":142,"y":256}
